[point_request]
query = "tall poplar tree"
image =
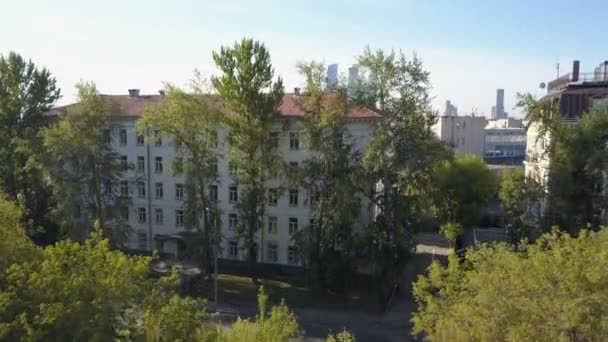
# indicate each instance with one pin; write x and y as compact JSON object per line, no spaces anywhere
{"x":26,"y":93}
{"x":252,"y":99}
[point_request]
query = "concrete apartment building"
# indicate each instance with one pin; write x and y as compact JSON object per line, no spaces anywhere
{"x":156,"y":211}
{"x":505,"y":141}
{"x":465,"y":134}
{"x":574,"y":94}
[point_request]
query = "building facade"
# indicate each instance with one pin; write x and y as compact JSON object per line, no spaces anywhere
{"x":465,"y":134}
{"x":157,"y":193}
{"x":505,"y":141}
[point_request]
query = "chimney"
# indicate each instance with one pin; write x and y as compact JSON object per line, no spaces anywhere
{"x":133,"y":92}
{"x":576,"y":65}
{"x":161,"y":93}
{"x":297,"y":91}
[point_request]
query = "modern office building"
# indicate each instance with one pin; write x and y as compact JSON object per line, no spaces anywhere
{"x":332,"y":74}
{"x":353,"y":74}
{"x":505,"y":142}
{"x":498,"y":111}
{"x":157,"y":194}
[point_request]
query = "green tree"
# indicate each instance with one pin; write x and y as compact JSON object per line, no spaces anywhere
{"x":85,"y":169}
{"x":512,"y":193}
{"x":399,"y":160}
{"x":328,"y":175}
{"x":26,"y":93}
{"x":464,"y":186}
{"x":192,"y":118}
{"x":252,"y":99}
{"x":553,"y":290}
{"x":451,"y":231}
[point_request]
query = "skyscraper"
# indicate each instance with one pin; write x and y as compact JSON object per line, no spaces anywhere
{"x":500,"y":104}
{"x":332,"y":74}
{"x":353,"y":74}
{"x":450,"y":109}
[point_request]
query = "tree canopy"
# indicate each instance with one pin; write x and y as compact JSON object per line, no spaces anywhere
{"x":553,"y":290}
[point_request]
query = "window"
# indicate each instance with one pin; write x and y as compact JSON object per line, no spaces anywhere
{"x":213,"y":166}
{"x":179,"y":165}
{"x":158,"y":164}
{"x":293,"y":164}
{"x":142,"y":240}
{"x":75,"y":165}
{"x":232,"y":169}
{"x":124,"y":213}
{"x":158,"y":190}
{"x":339,"y":139}
{"x":179,"y":217}
{"x":273,"y":197}
{"x":233,"y":221}
{"x":293,"y":225}
{"x":233,"y":249}
{"x":140,"y":139}
{"x":293,"y":198}
{"x":294,"y":141}
{"x":124,"y":188}
{"x":213,"y":139}
{"x":179,"y":191}
{"x":123,"y":137}
{"x":233,"y":194}
{"x":142,"y":215}
{"x":274,"y":139}
{"x":292,"y":256}
{"x":108,"y":187}
{"x":158,"y":214}
{"x":141,"y":164}
{"x":273,"y":253}
{"x":107,"y":138}
{"x":314,"y":197}
{"x":124,"y":162}
{"x":77,"y":211}
{"x":213,"y":193}
{"x":313,"y":225}
{"x":158,"y":139}
{"x":272,"y":224}
{"x":141,"y":189}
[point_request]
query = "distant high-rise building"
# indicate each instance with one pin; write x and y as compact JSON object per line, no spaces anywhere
{"x":500,"y":104}
{"x":353,"y":74}
{"x":493,"y":115}
{"x":450,"y":109}
{"x":332,"y":74}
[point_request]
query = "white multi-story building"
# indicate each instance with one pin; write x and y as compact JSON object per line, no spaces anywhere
{"x":465,"y":134}
{"x":156,"y":210}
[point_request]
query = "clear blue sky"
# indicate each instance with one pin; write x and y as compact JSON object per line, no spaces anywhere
{"x":470,"y":47}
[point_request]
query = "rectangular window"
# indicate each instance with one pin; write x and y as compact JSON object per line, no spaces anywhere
{"x":158,"y":138}
{"x":142,"y":240}
{"x":141,"y":189}
{"x":213,"y":166}
{"x":292,"y":255}
{"x":233,"y":249}
{"x":179,"y":191}
{"x":140,"y":139}
{"x":273,"y":224}
{"x":339,"y":139}
{"x":158,"y":214}
{"x":293,"y":164}
{"x":233,"y":221}
{"x":313,"y":225}
{"x":124,"y":162}
{"x":123,"y":137}
{"x":77,"y":211}
{"x":108,"y":187}
{"x":232,"y":169}
{"x":294,"y":141}
{"x":124,"y":188}
{"x":273,"y":197}
{"x":274,"y":139}
{"x":124,"y":213}
{"x":273,"y":253}
{"x":179,"y":217}
{"x":293,"y":225}
{"x":233,"y":194}
{"x":179,"y":165}
{"x":213,"y":193}
{"x":213,"y":139}
{"x":158,"y":164}
{"x":293,"y":197}
{"x":158,"y":190}
{"x":142,"y":215}
{"x":314,"y":198}
{"x":75,"y":165}
{"x":107,"y":138}
{"x":141,"y":164}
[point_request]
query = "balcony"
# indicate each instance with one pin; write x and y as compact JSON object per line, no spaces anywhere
{"x":584,"y":77}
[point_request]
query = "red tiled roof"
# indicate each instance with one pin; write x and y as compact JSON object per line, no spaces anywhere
{"x":134,"y":106}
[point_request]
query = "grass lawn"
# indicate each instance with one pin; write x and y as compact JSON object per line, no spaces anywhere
{"x":239,"y":289}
